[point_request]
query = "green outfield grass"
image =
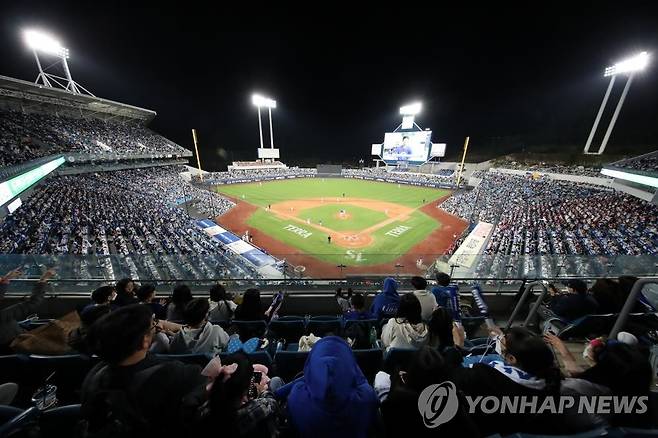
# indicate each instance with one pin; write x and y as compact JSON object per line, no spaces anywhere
{"x":272,"y":192}
{"x":389,"y":242}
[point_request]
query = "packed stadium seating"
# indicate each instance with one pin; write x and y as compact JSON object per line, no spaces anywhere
{"x":69,"y":215}
{"x":552,"y":168}
{"x":257,"y":174}
{"x":443,"y":177}
{"x":25,"y":136}
{"x":544,"y":216}
{"x":644,"y":163}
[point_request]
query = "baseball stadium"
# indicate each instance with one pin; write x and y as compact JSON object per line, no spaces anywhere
{"x":181,"y":269}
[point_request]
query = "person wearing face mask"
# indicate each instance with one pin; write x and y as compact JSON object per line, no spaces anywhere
{"x":527,"y":369}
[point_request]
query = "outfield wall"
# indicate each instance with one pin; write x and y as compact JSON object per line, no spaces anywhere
{"x":400,"y":181}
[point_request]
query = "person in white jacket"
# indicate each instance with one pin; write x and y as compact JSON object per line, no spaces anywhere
{"x":426,"y":298}
{"x":407,"y":329}
{"x":198,"y":335}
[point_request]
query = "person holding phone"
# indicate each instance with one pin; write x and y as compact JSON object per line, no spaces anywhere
{"x":240,"y":398}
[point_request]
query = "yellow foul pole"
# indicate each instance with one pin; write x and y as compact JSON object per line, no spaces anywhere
{"x":196,"y":151}
{"x":461,"y":167}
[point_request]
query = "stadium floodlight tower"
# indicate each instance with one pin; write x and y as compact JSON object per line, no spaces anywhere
{"x":44,"y":44}
{"x":409,"y":113}
{"x":629,"y":67}
{"x":268,"y":103}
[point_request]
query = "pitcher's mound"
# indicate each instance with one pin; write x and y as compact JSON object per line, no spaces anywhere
{"x":343,"y":216}
{"x":349,"y":240}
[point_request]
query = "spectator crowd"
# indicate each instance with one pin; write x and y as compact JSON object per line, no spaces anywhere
{"x":25,"y":136}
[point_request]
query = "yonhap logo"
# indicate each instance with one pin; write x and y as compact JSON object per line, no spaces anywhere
{"x":438,"y":404}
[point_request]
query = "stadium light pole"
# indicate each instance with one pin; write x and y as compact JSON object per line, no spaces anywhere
{"x":40,"y":42}
{"x":261,"y":101}
{"x":628,"y":66}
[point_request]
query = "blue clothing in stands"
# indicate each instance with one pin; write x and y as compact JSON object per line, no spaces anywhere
{"x":333,"y":399}
{"x":386,"y":302}
{"x":442,"y":295}
{"x":353,"y":315}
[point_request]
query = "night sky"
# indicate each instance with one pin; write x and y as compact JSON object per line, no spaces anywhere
{"x":512,"y":79}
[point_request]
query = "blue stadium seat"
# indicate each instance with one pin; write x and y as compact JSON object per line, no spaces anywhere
{"x":324,"y":325}
{"x":287,"y":364}
{"x":397,"y":359}
{"x":290,"y":328}
{"x":200,"y":359}
{"x":70,"y":370}
{"x":370,"y":361}
{"x":249,"y":329}
{"x":20,"y":422}
{"x":60,"y":421}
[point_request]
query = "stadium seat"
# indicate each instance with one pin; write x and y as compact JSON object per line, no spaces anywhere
{"x":290,"y":328}
{"x":261,"y":357}
{"x":287,"y":364}
{"x":591,"y":326}
{"x":60,"y":421}
{"x":370,"y":361}
{"x":200,"y":359}
{"x":69,"y":372}
{"x":368,"y":322}
{"x":324,"y":325}
{"x":249,"y":329}
{"x":8,"y":412}
{"x":397,"y":359}
{"x":20,"y":422}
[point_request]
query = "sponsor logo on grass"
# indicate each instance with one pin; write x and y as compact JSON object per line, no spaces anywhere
{"x":299,"y":231}
{"x":398,"y":231}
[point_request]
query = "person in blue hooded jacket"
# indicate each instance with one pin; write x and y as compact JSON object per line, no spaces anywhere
{"x":386,"y":302}
{"x":333,"y":399}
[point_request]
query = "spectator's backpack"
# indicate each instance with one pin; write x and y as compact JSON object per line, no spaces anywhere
{"x":112,"y":412}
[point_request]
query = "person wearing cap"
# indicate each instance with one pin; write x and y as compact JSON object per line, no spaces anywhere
{"x":573,"y":304}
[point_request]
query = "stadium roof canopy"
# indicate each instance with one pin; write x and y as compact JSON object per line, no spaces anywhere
{"x":19,"y":94}
{"x":641,"y":170}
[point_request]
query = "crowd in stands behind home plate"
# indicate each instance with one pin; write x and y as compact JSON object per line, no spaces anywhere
{"x":25,"y":136}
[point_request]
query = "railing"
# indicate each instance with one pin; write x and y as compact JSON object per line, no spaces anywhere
{"x":497,"y":272}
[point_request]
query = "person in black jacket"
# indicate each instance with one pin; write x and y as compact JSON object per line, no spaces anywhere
{"x":528,"y":369}
{"x":573,"y":304}
{"x":400,"y":407}
{"x":11,"y":315}
{"x":125,"y":290}
{"x":130,"y":392}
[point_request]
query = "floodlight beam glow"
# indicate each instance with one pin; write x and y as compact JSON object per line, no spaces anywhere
{"x":412,"y":109}
{"x":635,"y":63}
{"x":261,"y":101}
{"x":42,"y":42}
